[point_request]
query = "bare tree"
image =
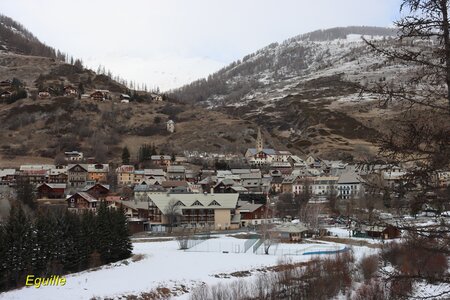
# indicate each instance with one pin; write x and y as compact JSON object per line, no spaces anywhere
{"x":172,"y":213}
{"x":309,"y":214}
{"x":420,"y":140}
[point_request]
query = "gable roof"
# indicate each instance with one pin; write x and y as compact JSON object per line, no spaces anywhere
{"x":225,"y":201}
{"x":349,"y":177}
{"x":83,"y":166}
{"x":245,"y":206}
{"x":54,"y":185}
{"x":267,"y":151}
{"x":86,"y":196}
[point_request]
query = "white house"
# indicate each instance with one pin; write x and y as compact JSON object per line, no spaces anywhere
{"x":349,"y":185}
{"x":170,"y":126}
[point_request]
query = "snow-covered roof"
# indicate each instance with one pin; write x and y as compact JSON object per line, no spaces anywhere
{"x":267,"y":151}
{"x":196,"y":201}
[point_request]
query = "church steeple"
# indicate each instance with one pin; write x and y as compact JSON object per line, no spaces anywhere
{"x":259,"y":142}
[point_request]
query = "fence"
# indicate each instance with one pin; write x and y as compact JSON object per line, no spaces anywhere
{"x":249,"y":243}
{"x":194,"y":242}
{"x":297,"y":249}
{"x":327,"y":252}
{"x":257,"y":245}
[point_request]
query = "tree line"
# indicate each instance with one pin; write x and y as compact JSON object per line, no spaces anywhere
{"x":60,"y":242}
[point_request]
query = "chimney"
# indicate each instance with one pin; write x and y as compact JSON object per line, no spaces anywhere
{"x":212,"y":191}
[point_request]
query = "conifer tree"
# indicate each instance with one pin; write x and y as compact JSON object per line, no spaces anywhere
{"x":18,"y":243}
{"x":125,"y":156}
{"x":105,"y":234}
{"x":25,"y":193}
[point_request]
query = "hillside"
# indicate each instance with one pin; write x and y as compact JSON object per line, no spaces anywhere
{"x":16,"y":38}
{"x":306,"y":90}
{"x":302,"y":93}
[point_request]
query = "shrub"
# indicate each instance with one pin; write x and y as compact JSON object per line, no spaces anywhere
{"x":369,"y":266}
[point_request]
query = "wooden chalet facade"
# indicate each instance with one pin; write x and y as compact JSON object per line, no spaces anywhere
{"x":70,"y":91}
{"x":98,"y":96}
{"x":254,"y":214}
{"x":98,"y":191}
{"x":98,"y":173}
{"x":77,"y":175}
{"x":377,"y":232}
{"x":51,"y":191}
{"x":82,"y":201}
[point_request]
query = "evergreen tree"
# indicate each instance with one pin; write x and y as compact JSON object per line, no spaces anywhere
{"x":25,"y":193}
{"x":104,"y":233}
{"x":125,"y":156}
{"x":121,"y":244}
{"x":88,"y":240}
{"x":3,"y":267}
{"x":17,"y":240}
{"x":72,"y":242}
{"x":44,"y":239}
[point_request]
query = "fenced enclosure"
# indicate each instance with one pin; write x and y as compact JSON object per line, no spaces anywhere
{"x":281,"y":249}
{"x":224,"y":245}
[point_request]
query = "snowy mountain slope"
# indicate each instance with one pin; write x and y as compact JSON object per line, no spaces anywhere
{"x":306,"y":90}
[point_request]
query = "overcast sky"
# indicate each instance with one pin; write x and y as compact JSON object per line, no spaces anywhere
{"x":168,"y":43}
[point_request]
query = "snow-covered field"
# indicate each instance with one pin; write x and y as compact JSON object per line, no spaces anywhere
{"x":165,"y":266}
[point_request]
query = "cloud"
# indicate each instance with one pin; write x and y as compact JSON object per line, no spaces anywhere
{"x":211,"y":33}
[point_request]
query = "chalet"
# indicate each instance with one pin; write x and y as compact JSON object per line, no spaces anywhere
{"x":5,"y":95}
{"x":139,"y":176}
{"x":157,"y":98}
{"x":199,"y":210}
{"x":176,"y":173}
{"x":7,"y":176}
{"x":57,"y":175}
{"x":73,"y":156}
{"x":288,"y":184}
{"x":125,"y":175}
{"x":260,"y":157}
{"x":157,"y":174}
{"x":141,"y":191}
{"x":98,"y":96}
{"x":170,"y":126}
{"x":98,"y":191}
{"x":77,"y":175}
{"x":289,"y":232}
{"x":34,"y":176}
{"x":393,"y":179}
{"x":374,"y":231}
{"x":161,"y":160}
{"x":276,"y":184}
{"x":170,"y":184}
{"x":98,"y":172}
{"x":282,"y":156}
{"x":207,"y":183}
{"x":254,"y":214}
{"x":443,"y":179}
{"x":5,"y":83}
{"x":51,"y":191}
{"x":81,"y":201}
{"x":44,"y":95}
{"x":349,"y":185}
{"x":70,"y":91}
{"x":125,"y":97}
{"x":223,"y":186}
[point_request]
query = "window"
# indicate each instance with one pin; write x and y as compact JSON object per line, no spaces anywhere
{"x":179,"y":203}
{"x":197,"y":203}
{"x":214,"y":203}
